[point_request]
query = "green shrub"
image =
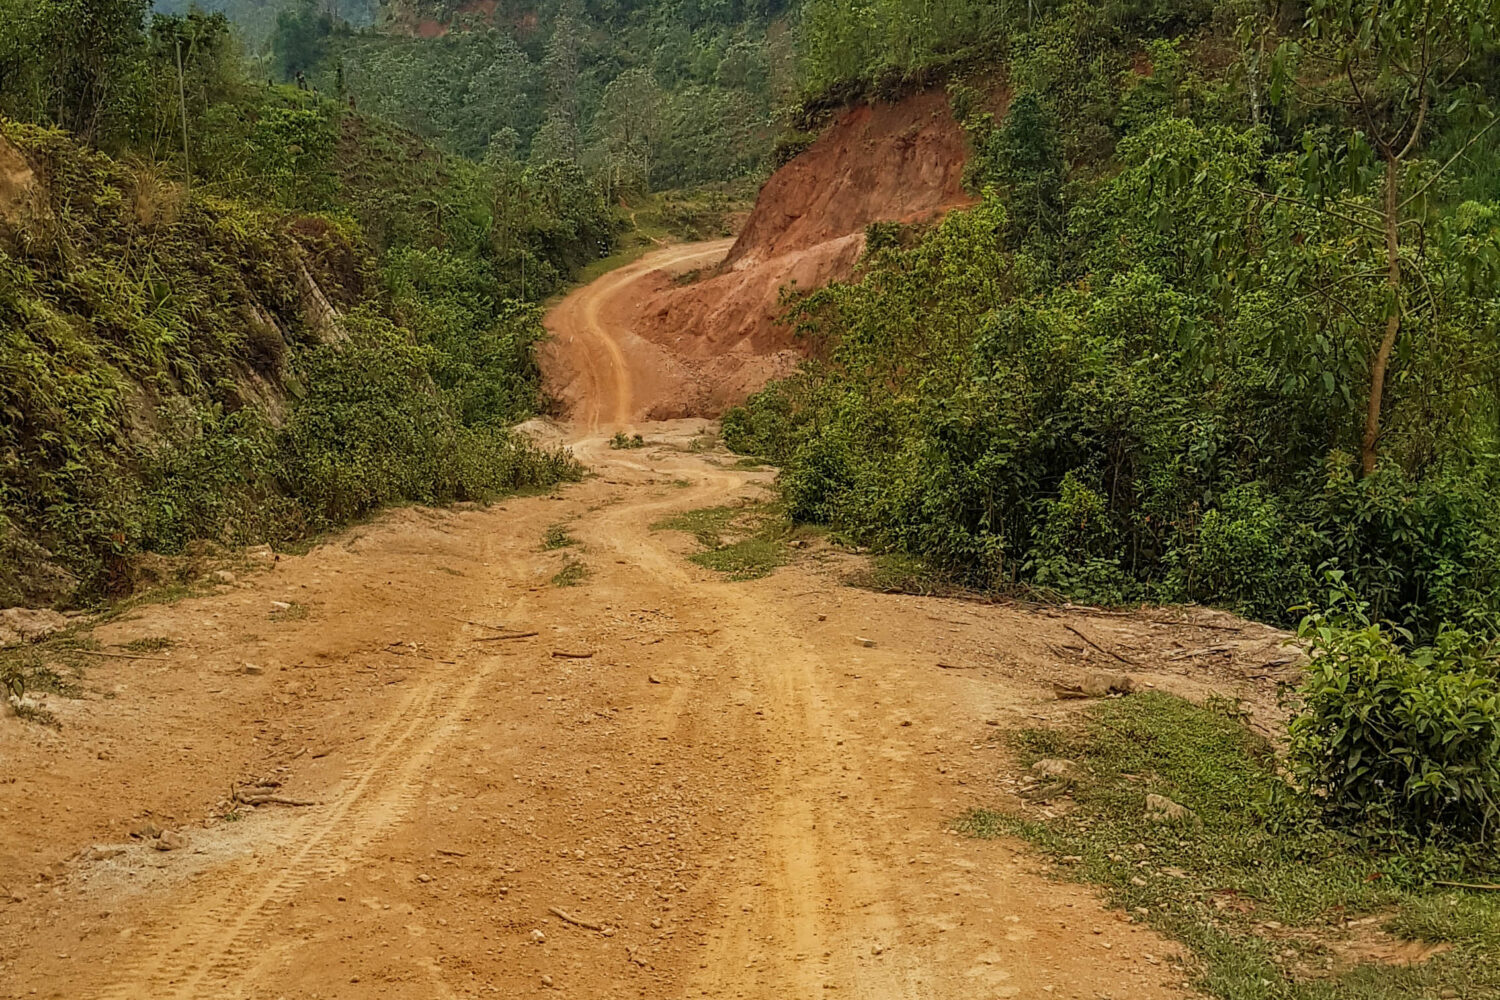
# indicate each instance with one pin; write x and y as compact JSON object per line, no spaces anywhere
{"x":1075,"y":548}
{"x":1244,"y":554}
{"x":1393,"y":740}
{"x":374,"y":430}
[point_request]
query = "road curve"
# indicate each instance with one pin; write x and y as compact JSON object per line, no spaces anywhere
{"x":593,"y":360}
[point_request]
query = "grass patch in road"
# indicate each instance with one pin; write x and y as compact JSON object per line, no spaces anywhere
{"x":557,"y":537}
{"x":747,"y":559}
{"x":572,"y":574}
{"x":744,"y":542}
{"x":707,"y":524}
{"x":1274,"y":906}
{"x":294,"y":612}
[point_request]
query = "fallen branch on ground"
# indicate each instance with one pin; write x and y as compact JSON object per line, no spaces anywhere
{"x":564,"y":654}
{"x":508,"y":635}
{"x":119,"y":656}
{"x":568,"y":918}
{"x":1480,"y":886}
{"x":1091,"y":642}
{"x":470,"y":621}
{"x":1208,"y":625}
{"x":1205,"y":651}
{"x":271,"y":800}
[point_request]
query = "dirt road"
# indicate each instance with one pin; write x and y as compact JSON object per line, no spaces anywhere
{"x":653,"y":784}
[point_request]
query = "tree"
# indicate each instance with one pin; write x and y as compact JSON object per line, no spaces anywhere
{"x":555,"y":141}
{"x":1386,"y":65}
{"x":73,"y":61}
{"x":301,"y":37}
{"x":628,"y":128}
{"x":560,"y":65}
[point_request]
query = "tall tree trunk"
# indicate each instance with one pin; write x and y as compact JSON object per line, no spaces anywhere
{"x":1368,"y":453}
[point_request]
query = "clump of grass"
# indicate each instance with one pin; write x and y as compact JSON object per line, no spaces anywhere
{"x":1256,"y":888}
{"x":572,"y":574}
{"x":744,"y":543}
{"x":621,"y":441}
{"x":295,"y":613}
{"x":902,"y":573}
{"x":557,"y":537}
{"x":707,"y":524}
{"x":749,"y":559}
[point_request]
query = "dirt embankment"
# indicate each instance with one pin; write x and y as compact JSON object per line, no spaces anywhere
{"x":899,"y":162}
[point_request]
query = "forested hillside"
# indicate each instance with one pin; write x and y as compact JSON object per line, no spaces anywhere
{"x":642,"y":95}
{"x":1222,"y":329}
{"x":243,"y":313}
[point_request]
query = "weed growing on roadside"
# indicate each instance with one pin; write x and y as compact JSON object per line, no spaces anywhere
{"x":1262,"y":896}
{"x":622,"y":442}
{"x":572,"y":574}
{"x":557,"y":537}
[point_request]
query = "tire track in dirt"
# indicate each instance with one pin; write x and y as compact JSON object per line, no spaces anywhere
{"x":216,"y":936}
{"x":755,"y":803}
{"x":589,"y":350}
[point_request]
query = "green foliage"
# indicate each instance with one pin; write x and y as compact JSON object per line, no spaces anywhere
{"x":573,"y":573}
{"x":622,"y":441}
{"x":373,"y":429}
{"x":300,"y":39}
{"x":557,"y":537}
{"x":164,"y":380}
{"x":1140,"y":368}
{"x":1247,"y":553}
{"x":1259,"y":896}
{"x":642,"y":96}
{"x":742,"y":542}
{"x":1398,"y":742}
{"x":70,"y":59}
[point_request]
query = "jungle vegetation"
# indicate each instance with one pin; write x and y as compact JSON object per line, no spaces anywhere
{"x":245,"y":312}
{"x":1220,"y":328}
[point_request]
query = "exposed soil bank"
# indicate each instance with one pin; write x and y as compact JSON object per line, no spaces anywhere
{"x":704,"y":346}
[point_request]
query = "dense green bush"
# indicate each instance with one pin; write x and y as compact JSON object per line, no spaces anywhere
{"x":1393,"y":740}
{"x":373,"y":429}
{"x":1112,"y":415}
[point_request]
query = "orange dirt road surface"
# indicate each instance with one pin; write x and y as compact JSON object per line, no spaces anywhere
{"x":676,"y":787}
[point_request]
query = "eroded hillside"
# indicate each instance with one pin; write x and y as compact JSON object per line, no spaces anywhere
{"x":712,"y":337}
